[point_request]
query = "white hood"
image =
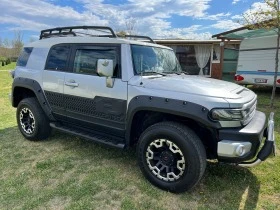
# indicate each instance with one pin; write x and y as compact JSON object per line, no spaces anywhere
{"x":195,"y":85}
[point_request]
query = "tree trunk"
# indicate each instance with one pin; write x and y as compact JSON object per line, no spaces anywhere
{"x":276,"y":59}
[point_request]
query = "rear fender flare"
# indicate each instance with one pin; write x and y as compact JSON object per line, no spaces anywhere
{"x":38,"y":91}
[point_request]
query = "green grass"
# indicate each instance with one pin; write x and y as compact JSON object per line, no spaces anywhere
{"x":66,"y":172}
{"x":10,"y":66}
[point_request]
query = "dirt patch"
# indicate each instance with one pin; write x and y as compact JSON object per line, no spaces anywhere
{"x":56,"y":203}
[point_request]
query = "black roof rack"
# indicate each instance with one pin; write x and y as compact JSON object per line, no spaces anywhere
{"x":140,"y":37}
{"x":70,"y":30}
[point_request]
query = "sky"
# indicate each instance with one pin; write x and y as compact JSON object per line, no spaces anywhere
{"x":161,"y":19}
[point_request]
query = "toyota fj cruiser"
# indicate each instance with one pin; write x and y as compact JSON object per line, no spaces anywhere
{"x":123,"y":92}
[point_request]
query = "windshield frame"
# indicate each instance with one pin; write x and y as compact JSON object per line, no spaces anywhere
{"x":178,"y":66}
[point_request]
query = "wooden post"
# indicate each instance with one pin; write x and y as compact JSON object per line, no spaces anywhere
{"x":222,"y":45}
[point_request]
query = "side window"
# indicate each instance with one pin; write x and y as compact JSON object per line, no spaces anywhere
{"x":57,"y":58}
{"x":24,"y":56}
{"x":85,"y":61}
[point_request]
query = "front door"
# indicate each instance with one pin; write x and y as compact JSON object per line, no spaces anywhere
{"x":87,"y":101}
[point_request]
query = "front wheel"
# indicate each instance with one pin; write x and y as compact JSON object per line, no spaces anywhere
{"x":171,"y":156}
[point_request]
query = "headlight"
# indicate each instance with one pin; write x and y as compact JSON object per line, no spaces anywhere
{"x":227,"y":114}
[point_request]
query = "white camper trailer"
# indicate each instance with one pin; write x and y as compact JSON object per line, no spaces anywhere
{"x":256,"y":62}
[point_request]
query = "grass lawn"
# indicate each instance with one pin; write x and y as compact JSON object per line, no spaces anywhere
{"x":66,"y":172}
{"x":10,"y":66}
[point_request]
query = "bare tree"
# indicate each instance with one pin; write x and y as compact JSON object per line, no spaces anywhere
{"x":17,"y":43}
{"x":268,"y":18}
{"x":130,"y":24}
{"x":6,"y":45}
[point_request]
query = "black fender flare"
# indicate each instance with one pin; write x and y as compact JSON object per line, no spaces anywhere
{"x":175,"y":107}
{"x":34,"y":86}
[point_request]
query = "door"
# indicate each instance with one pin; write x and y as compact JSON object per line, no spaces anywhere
{"x":88,"y":102}
{"x":53,"y":77}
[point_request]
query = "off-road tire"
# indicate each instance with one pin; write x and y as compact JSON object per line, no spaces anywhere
{"x":41,"y":125}
{"x":187,"y":142}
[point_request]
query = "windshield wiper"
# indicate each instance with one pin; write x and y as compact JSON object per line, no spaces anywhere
{"x":170,"y":72}
{"x":153,"y":72}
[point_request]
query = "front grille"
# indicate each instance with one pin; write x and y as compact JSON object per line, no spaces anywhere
{"x":249,"y":111}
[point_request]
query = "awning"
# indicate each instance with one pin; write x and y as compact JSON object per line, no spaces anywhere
{"x":244,"y":32}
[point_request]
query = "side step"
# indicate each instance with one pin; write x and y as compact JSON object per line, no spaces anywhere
{"x":104,"y":139}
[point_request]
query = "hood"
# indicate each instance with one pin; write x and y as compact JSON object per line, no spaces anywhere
{"x":189,"y":84}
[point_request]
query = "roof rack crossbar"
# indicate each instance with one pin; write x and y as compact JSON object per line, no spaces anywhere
{"x":93,"y":35}
{"x":142,"y":37}
{"x":57,"y":34}
{"x":69,"y":30}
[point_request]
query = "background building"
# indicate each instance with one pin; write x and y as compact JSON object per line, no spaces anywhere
{"x":202,"y":57}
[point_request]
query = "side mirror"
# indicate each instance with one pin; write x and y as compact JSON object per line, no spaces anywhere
{"x":105,"y":69}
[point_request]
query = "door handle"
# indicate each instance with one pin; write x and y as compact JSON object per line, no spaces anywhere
{"x":71,"y":83}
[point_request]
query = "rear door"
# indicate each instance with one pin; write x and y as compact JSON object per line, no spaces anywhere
{"x":53,"y":76}
{"x":88,"y":102}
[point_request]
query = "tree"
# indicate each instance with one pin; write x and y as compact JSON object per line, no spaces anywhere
{"x":266,"y":18}
{"x":17,"y":43}
{"x":6,"y":44}
{"x":130,"y":24}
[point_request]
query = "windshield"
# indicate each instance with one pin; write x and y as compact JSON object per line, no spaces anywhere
{"x":154,"y":60}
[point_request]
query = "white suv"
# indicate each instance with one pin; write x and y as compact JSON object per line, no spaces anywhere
{"x":123,"y":92}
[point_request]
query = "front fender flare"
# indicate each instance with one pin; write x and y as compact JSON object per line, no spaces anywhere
{"x":175,"y":107}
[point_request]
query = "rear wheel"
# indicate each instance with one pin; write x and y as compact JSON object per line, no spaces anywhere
{"x":171,"y":156}
{"x":32,"y":121}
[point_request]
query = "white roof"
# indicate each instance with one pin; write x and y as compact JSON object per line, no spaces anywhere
{"x":49,"y":42}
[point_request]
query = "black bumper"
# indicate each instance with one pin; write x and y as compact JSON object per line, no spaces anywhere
{"x":254,"y":133}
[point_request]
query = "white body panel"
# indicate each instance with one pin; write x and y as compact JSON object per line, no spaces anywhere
{"x":205,"y":92}
{"x":34,"y":66}
{"x":90,"y":86}
{"x":256,"y":62}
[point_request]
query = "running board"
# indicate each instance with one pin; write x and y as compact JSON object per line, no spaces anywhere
{"x":96,"y":137}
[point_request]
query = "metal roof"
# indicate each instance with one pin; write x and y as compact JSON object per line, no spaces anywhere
{"x":184,"y":41}
{"x":245,"y":32}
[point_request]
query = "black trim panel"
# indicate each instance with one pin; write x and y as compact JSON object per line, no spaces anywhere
{"x":100,"y":107}
{"x":169,"y":106}
{"x":100,"y":113}
{"x":55,"y":99}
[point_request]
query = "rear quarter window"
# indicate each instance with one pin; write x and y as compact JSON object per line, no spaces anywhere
{"x":24,"y":56}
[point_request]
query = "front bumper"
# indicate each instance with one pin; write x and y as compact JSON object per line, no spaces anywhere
{"x":239,"y":145}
